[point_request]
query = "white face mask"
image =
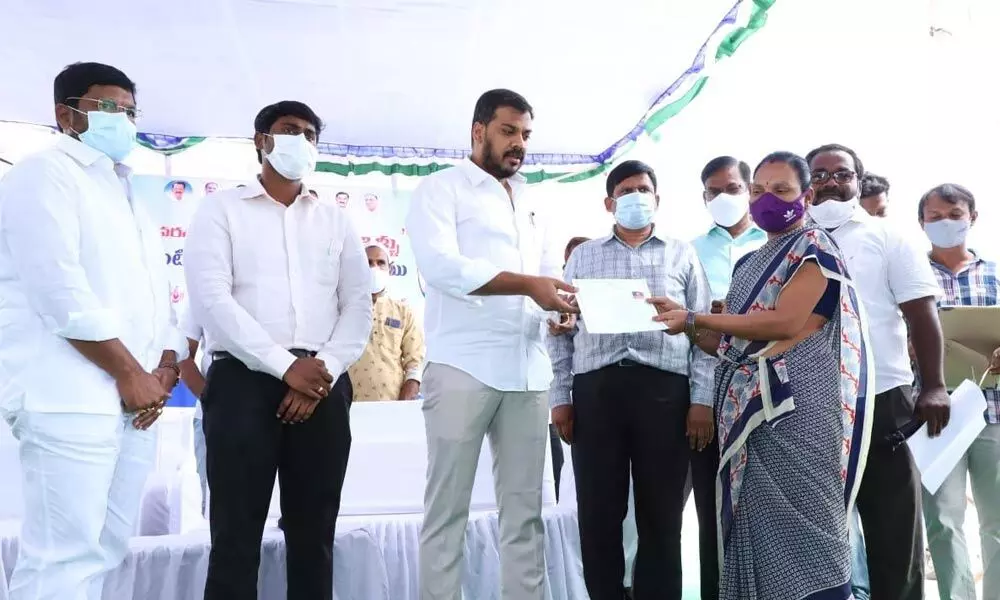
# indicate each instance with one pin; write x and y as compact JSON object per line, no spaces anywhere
{"x":293,"y":156}
{"x":947,"y":233}
{"x":833,"y":213}
{"x":380,"y":280}
{"x":729,"y":209}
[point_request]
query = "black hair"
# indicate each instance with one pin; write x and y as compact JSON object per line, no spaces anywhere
{"x":314,"y":193}
{"x":270,"y":114}
{"x":952,"y":193}
{"x":725,"y":162}
{"x":629,"y":168}
{"x":488,"y":103}
{"x":76,"y":79}
{"x":859,"y":167}
{"x":873,"y":185}
{"x":574,"y":242}
{"x":343,"y":194}
{"x":796,"y":162}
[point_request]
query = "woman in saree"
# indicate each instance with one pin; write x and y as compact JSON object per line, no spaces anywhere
{"x":793,"y":391}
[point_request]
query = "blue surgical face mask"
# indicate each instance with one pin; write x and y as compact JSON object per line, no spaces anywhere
{"x":110,"y":133}
{"x":635,"y":211}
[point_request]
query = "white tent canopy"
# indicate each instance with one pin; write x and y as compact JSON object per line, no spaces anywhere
{"x":382,"y":73}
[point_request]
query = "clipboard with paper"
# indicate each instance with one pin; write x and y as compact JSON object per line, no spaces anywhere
{"x":971,"y":334}
{"x":936,"y":457}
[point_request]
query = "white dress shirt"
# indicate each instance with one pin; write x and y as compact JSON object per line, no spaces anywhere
{"x":264,"y":278}
{"x":889,"y":269}
{"x":79,"y":259}
{"x":465,"y":229}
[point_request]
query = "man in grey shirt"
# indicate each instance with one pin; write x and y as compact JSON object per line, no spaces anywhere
{"x":640,"y":400}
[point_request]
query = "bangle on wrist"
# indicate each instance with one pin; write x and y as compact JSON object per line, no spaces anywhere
{"x":690,"y":329}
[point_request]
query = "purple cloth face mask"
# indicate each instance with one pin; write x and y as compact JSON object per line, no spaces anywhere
{"x":774,"y":215}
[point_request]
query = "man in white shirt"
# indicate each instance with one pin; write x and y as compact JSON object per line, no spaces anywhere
{"x":895,"y":282}
{"x":279,"y":282}
{"x":489,"y":273}
{"x":89,"y":352}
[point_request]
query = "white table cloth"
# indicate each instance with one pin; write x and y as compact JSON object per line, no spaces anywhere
{"x":375,"y":558}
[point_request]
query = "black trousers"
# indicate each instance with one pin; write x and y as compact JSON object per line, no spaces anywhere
{"x":631,"y":415}
{"x":704,"y":473}
{"x":889,"y":502}
{"x":245,"y":445}
{"x":557,"y":456}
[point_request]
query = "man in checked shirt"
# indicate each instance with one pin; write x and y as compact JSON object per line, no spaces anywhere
{"x":946,"y":214}
{"x":639,"y":401}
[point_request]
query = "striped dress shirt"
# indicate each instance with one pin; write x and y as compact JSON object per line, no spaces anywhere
{"x":671,"y":268}
{"x":974,"y":285}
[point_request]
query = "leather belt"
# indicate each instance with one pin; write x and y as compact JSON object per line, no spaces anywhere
{"x":297,"y":352}
{"x":626,"y":363}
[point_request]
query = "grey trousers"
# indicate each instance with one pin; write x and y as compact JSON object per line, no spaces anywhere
{"x":458,"y":411}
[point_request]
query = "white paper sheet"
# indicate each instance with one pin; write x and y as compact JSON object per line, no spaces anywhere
{"x":616,"y":305}
{"x":937,"y":457}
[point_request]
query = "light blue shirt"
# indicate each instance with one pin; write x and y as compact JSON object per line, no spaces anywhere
{"x":718,"y":253}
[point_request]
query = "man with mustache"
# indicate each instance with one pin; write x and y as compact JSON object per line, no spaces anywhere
{"x":895,"y":282}
{"x":490,"y":275}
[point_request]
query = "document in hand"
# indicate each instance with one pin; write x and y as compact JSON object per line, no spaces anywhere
{"x":616,"y":305}
{"x":971,"y":334}
{"x":937,"y":457}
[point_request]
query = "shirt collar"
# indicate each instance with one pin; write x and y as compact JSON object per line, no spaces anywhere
{"x":255,"y":189}
{"x":476,"y":175}
{"x":751,"y":232}
{"x":976,"y":261}
{"x":614,"y":237}
{"x":80,"y":152}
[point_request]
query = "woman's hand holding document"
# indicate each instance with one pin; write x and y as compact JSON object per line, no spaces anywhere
{"x":616,"y":305}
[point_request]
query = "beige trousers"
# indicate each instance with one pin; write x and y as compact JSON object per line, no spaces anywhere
{"x":458,"y":411}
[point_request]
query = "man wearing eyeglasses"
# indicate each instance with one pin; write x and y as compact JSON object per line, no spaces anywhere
{"x":89,"y":352}
{"x":895,"y":282}
{"x":280,"y":285}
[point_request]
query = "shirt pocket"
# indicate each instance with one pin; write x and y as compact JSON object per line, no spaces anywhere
{"x":484,"y":219}
{"x":387,"y":336}
{"x":324,"y":260}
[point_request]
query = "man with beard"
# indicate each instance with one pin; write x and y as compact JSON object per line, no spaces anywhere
{"x":895,"y":282}
{"x":490,"y":276}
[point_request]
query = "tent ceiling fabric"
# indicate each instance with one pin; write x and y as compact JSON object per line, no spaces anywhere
{"x":379,"y":72}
